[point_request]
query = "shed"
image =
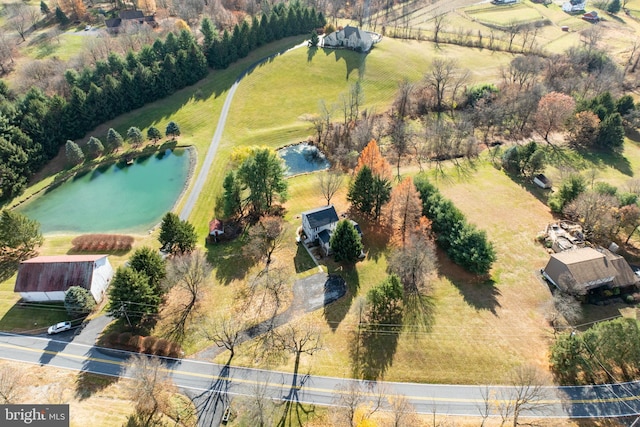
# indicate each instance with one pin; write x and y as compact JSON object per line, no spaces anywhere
{"x":216,"y":228}
{"x":47,"y":278}
{"x":591,"y":16}
{"x":542,"y":181}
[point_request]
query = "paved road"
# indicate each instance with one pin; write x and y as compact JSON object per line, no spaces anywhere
{"x":215,"y":141}
{"x":215,"y":383}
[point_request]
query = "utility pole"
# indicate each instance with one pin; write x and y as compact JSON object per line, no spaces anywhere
{"x":123,"y":309}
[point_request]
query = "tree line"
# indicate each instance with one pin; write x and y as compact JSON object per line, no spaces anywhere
{"x":34,"y":126}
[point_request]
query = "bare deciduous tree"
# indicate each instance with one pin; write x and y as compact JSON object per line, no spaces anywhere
{"x":225,"y":331}
{"x":329,"y":183}
{"x":152,"y":388}
{"x":20,"y":18}
{"x":438,"y":24}
{"x":527,"y":393}
{"x":445,"y":79}
{"x":402,"y":411}
{"x":356,"y":402}
{"x":188,"y":274}
{"x":10,"y":384}
{"x":265,"y":237}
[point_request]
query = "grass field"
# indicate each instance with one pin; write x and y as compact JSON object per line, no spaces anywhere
{"x":477,"y":331}
{"x":519,"y":13}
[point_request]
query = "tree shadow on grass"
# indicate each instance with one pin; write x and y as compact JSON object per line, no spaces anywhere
{"x":372,"y":349}
{"x":479,"y":293}
{"x":607,"y":158}
{"x":541,"y":194}
{"x":353,"y":60}
{"x":88,"y":384}
{"x":335,"y":313}
{"x":228,"y":261}
{"x":293,"y":410}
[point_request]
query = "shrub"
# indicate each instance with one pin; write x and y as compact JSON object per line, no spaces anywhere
{"x":163,"y":347}
{"x":135,"y":343}
{"x":112,"y":338}
{"x":124,"y":338}
{"x":149,"y":346}
{"x":463,"y":243}
{"x":175,"y":350}
{"x":102,"y":242}
{"x":78,"y":301}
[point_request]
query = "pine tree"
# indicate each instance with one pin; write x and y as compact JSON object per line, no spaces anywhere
{"x":78,"y":301}
{"x":61,"y":17}
{"x":153,"y":134}
{"x":44,"y":9}
{"x":232,"y":196}
{"x":94,"y":148}
{"x":131,"y":296}
{"x":114,"y":140}
{"x":73,"y":153}
{"x":361,"y":191}
{"x":134,"y":136}
{"x":614,"y":6}
{"x":314,"y":39}
{"x":345,"y":242}
{"x":172,"y":130}
{"x":149,"y":262}
{"x":611,"y":132}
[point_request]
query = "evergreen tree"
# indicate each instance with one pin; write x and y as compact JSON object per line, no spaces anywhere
{"x":625,"y":104}
{"x":614,"y":6}
{"x":360,"y":193}
{"x":345,"y":242}
{"x":73,"y":153}
{"x":94,"y":148}
{"x":172,"y":130}
{"x":44,"y":9}
{"x":61,"y":17}
{"x":314,"y":40}
{"x":134,"y":136}
{"x":19,"y":236}
{"x":114,"y":140}
{"x":131,"y":296}
{"x":208,"y":31}
{"x":153,"y":134}
{"x":263,"y":174}
{"x":149,"y":262}
{"x":176,"y":235}
{"x":232,"y":196}
{"x":78,"y":301}
{"x":611,"y":132}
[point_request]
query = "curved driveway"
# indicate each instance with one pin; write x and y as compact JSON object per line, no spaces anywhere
{"x":217,"y":136}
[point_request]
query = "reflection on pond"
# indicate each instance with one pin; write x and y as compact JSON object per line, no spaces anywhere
{"x":302,"y":158}
{"x":114,"y":197}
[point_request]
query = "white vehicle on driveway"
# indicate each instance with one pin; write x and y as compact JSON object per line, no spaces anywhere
{"x":59,"y":327}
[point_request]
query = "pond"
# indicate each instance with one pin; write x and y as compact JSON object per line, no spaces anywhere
{"x":302,"y":158}
{"x":118,"y":197}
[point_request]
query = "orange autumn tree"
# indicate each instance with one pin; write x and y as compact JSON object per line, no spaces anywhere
{"x":372,"y":157}
{"x":403,"y":211}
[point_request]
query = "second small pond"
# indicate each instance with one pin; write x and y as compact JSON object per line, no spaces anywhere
{"x":303,"y":158}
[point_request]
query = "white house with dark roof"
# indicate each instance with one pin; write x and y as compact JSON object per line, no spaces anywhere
{"x":350,"y":38}
{"x":48,"y":278}
{"x":318,"y":225}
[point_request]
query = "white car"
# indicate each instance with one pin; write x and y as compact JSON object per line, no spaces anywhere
{"x":59,"y":327}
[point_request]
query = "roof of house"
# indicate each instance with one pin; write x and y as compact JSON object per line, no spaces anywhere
{"x":55,"y":273}
{"x":365,"y":40}
{"x":215,"y":225}
{"x":113,"y":22}
{"x":540,"y":177}
{"x":131,"y":14}
{"x":321,"y":216}
{"x":590,"y":268}
{"x":324,"y":236}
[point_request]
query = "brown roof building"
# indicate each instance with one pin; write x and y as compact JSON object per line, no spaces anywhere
{"x":47,"y":278}
{"x":590,"y":269}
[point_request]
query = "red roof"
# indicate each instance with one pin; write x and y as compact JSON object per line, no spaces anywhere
{"x":55,"y":273}
{"x":63,"y":258}
{"x":215,"y":225}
